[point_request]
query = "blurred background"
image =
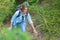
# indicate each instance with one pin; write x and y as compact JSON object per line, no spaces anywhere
{"x":45,"y":15}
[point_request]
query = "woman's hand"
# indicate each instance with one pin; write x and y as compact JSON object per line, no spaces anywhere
{"x":35,"y":32}
{"x":10,"y":26}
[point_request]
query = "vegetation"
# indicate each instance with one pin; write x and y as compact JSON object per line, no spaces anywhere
{"x":45,"y":12}
{"x":16,"y":34}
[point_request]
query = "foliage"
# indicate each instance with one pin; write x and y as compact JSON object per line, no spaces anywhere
{"x":16,"y":34}
{"x":50,"y":20}
{"x":6,"y":8}
{"x":49,"y":16}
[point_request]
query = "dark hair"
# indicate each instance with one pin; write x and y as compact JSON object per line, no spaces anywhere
{"x":22,"y":7}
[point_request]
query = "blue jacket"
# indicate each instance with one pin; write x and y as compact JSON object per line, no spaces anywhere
{"x":16,"y":19}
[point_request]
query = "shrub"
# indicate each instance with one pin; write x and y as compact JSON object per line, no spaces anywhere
{"x":16,"y":34}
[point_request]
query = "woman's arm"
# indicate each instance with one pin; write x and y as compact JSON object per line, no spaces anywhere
{"x":13,"y":18}
{"x":31,"y":23}
{"x":34,"y":30}
{"x":10,"y":26}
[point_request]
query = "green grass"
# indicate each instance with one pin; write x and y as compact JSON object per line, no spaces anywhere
{"x":6,"y":34}
{"x":49,"y":16}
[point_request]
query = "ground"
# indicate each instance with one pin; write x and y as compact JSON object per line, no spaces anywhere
{"x":41,"y":36}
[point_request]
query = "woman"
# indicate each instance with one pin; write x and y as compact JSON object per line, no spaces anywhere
{"x":21,"y":19}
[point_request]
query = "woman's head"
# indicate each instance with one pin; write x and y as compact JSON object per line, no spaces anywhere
{"x":24,"y":8}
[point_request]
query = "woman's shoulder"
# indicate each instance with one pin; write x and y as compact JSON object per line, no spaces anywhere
{"x":17,"y":12}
